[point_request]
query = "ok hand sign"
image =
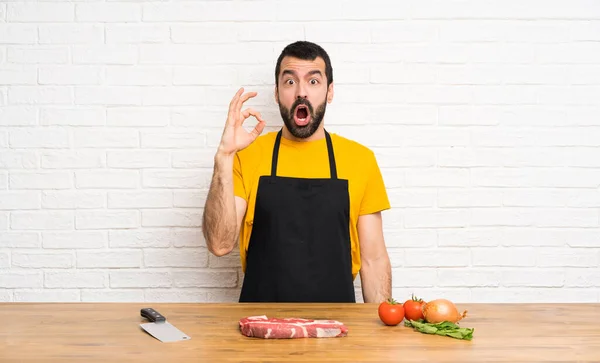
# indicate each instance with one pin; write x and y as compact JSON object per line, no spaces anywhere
{"x":235,"y":137}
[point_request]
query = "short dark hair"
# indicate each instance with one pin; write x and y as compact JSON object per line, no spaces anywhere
{"x":307,"y":51}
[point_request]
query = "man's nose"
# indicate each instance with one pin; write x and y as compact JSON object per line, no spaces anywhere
{"x":302,"y":93}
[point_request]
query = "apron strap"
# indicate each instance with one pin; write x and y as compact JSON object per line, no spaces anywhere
{"x":275,"y":154}
{"x":332,"y":165}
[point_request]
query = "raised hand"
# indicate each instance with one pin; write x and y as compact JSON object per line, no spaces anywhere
{"x":235,"y":137}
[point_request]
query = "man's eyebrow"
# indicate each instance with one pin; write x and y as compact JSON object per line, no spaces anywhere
{"x":293,"y":73}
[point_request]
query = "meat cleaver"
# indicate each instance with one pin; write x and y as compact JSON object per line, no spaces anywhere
{"x":160,"y":328}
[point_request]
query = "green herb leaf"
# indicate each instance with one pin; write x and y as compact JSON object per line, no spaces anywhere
{"x":445,"y":328}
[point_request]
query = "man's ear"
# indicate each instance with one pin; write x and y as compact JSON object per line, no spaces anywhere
{"x":330,"y":93}
{"x":276,"y":95}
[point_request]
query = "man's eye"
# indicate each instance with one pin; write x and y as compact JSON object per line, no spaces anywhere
{"x":289,"y":81}
{"x":313,"y":81}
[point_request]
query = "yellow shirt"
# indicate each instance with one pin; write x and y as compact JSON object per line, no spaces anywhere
{"x":354,"y":162}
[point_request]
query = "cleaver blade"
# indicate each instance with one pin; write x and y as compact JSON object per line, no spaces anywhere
{"x":160,"y":328}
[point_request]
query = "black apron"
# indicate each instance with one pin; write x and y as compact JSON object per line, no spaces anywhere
{"x":299,"y":249}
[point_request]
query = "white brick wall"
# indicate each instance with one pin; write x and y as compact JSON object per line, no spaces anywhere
{"x":483,"y":116}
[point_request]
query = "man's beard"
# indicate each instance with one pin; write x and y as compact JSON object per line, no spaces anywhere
{"x":303,"y":132}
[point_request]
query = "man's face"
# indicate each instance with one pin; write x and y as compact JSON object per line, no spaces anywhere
{"x":302,"y":94}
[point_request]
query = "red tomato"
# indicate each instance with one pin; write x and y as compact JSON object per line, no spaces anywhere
{"x":391,"y":312}
{"x":413,"y":308}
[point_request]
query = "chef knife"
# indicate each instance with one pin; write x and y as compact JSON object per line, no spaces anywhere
{"x":160,"y":328}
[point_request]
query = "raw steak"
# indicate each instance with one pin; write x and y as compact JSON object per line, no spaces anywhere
{"x":275,"y":328}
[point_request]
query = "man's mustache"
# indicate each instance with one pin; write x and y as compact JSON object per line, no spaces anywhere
{"x":301,"y":101}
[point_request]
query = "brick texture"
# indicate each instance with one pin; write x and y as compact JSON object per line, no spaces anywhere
{"x":483,"y":117}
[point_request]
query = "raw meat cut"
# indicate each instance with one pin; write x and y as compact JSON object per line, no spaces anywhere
{"x":289,"y":328}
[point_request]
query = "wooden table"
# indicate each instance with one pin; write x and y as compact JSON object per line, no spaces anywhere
{"x":110,"y":333}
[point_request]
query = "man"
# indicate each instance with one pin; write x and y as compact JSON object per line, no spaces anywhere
{"x":305,"y":204}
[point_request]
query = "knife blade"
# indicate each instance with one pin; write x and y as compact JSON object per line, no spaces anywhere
{"x":160,"y":328}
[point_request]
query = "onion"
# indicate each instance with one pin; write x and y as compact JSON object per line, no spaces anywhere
{"x":437,"y":311}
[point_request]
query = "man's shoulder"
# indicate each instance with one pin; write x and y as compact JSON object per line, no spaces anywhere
{"x":350,"y":146}
{"x":262,"y":143}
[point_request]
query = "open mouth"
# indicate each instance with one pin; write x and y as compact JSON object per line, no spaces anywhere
{"x":301,"y":116}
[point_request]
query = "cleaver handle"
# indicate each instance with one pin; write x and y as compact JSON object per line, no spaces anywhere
{"x":152,"y":315}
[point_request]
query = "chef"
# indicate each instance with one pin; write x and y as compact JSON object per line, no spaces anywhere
{"x":304,"y":204}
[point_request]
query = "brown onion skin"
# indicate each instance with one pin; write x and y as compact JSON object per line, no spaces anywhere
{"x":440,"y":310}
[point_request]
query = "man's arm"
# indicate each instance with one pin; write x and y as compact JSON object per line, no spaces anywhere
{"x":375,"y":272}
{"x":223,"y":211}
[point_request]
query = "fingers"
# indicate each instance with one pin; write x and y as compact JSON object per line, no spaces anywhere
{"x":243,"y":99}
{"x":250,"y":111}
{"x":235,"y":99}
{"x":233,"y":105}
{"x":258,"y":129}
